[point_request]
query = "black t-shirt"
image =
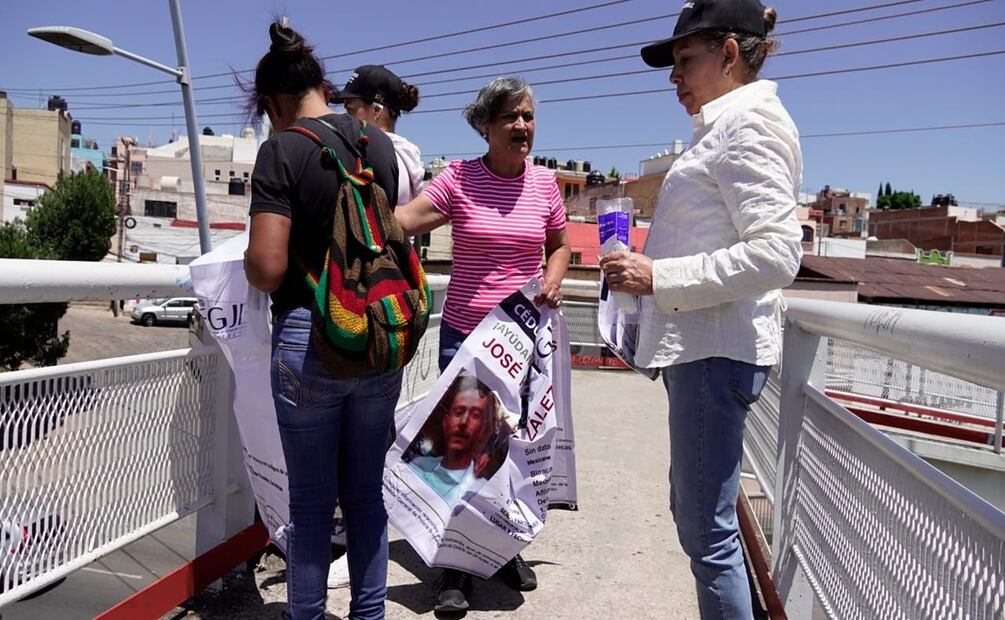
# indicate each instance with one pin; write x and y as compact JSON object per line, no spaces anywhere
{"x":289,"y":180}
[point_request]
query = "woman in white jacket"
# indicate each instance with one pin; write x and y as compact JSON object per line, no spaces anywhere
{"x":724,"y":240}
{"x":376,"y":95}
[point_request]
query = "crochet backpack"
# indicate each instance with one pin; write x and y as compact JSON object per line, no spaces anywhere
{"x":371,"y":299}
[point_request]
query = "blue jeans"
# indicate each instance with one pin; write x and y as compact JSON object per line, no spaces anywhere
{"x":450,"y":343}
{"x":334,"y":435}
{"x":709,"y":399}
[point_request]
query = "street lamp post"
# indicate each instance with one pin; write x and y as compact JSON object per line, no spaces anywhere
{"x":87,"y":42}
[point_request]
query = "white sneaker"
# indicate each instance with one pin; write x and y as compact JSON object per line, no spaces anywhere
{"x":338,"y":573}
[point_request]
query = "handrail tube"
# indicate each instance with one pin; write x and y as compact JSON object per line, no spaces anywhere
{"x":35,"y":281}
{"x":25,"y":281}
{"x":976,"y":508}
{"x":968,"y":347}
{"x":45,"y":372}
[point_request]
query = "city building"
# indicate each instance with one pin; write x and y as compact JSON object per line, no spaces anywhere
{"x":841,"y":212}
{"x":937,"y":228}
{"x":84,"y":152}
{"x":124,"y":165}
{"x":224,"y":157}
{"x":6,"y":141}
{"x":41,"y":143}
{"x":19,"y":196}
{"x":904,"y":283}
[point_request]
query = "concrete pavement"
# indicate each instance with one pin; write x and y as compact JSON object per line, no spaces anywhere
{"x":95,"y":334}
{"x":617,"y":557}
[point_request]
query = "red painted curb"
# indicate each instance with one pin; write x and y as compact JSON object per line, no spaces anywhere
{"x":191,"y":578}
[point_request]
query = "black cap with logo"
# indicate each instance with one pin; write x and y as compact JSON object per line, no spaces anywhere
{"x":740,"y":16}
{"x":373,"y":84}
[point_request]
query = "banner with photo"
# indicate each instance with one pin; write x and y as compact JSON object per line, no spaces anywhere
{"x":618,"y":322}
{"x":237,"y":316}
{"x":472,"y":472}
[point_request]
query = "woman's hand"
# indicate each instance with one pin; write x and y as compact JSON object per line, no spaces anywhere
{"x":551,"y":293}
{"x":628,"y":272}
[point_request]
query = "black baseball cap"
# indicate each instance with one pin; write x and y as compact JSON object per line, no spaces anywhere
{"x":373,"y":84}
{"x":741,"y":16}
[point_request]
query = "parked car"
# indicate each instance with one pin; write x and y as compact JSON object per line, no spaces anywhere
{"x":30,"y":544}
{"x":174,"y":310}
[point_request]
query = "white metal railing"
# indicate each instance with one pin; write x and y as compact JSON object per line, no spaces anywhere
{"x":863,"y":524}
{"x":97,"y":454}
{"x":117,"y":448}
{"x":852,"y":368}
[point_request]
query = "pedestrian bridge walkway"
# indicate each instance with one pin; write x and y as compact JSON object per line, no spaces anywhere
{"x":616,"y":557}
{"x":841,"y":518}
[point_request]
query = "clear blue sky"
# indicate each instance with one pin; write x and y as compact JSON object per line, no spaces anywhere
{"x":225,"y":34}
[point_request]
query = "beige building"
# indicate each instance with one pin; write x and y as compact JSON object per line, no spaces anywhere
{"x":223,"y":158}
{"x":41,"y":145}
{"x":6,"y":139}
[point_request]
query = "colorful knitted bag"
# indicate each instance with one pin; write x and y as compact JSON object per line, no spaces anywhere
{"x":371,"y":299}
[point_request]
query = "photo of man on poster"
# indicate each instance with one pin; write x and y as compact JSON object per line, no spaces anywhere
{"x":464,"y":441}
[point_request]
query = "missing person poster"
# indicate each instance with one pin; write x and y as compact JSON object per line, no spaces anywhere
{"x":618,"y":322}
{"x":237,"y":316}
{"x":470,"y":477}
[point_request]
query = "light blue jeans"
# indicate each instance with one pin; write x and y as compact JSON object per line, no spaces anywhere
{"x":709,"y":399}
{"x":334,"y":436}
{"x":450,"y":343}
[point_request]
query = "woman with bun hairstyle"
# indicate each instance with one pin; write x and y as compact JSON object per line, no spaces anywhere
{"x":724,"y":240}
{"x":376,"y":95}
{"x":333,"y":431}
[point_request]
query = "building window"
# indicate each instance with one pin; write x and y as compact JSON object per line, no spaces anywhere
{"x":21,"y":202}
{"x":985,"y":249}
{"x":231,"y":174}
{"x":576,"y":258}
{"x":136,"y":168}
{"x":216,"y":173}
{"x":246,"y":176}
{"x":160,"y":208}
{"x":75,"y":143}
{"x":807,"y":234}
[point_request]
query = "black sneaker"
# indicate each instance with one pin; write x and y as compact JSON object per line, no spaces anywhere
{"x":452,"y":591}
{"x":519,"y":575}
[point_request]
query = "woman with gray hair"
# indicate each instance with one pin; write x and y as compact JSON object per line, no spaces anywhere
{"x":503,"y":210}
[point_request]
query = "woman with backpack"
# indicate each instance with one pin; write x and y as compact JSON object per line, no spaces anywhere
{"x":334,"y":429}
{"x":377,"y":96}
{"x":503,"y":212}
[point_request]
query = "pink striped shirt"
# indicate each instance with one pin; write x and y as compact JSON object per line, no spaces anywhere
{"x":498,"y":232}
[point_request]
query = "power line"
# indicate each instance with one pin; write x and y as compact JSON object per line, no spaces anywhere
{"x":794,"y":52}
{"x":229,"y":100}
{"x":577,"y":52}
{"x":458,"y":33}
{"x":779,"y":78}
{"x":640,"y":43}
{"x":388,"y":46}
{"x":862,"y":132}
{"x":663,"y":90}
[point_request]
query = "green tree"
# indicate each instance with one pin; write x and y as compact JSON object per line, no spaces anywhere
{"x":28,"y":332}
{"x":76,"y":220}
{"x":879,"y":194}
{"x":614,"y":174}
{"x":899,"y":200}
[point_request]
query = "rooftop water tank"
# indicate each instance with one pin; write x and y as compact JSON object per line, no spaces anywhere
{"x":235,"y":187}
